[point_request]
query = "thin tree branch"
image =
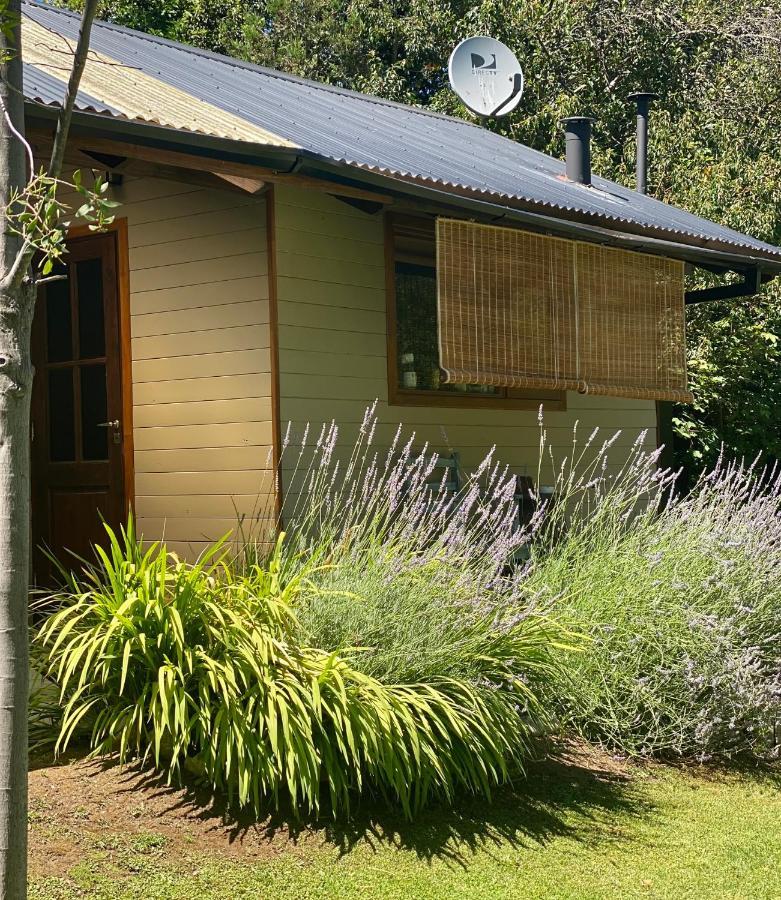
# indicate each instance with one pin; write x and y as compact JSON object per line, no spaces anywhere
{"x":79,"y":61}
{"x":20,"y":136}
{"x":21,"y":259}
{"x":50,"y":278}
{"x":18,"y":268}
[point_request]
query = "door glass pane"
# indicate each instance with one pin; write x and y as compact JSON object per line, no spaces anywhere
{"x":62,"y":431}
{"x":94,"y":439}
{"x":92,"y":334}
{"x":58,"y":319}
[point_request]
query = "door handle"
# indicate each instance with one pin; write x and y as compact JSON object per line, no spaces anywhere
{"x":114,"y":425}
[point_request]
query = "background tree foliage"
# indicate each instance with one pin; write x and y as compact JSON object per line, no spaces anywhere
{"x":714,"y":148}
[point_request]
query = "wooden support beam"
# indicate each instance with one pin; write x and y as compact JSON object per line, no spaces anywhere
{"x":234,"y":183}
{"x":246,"y":185}
{"x":167,"y":160}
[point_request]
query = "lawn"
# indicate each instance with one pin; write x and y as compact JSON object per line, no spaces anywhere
{"x":580,"y":826}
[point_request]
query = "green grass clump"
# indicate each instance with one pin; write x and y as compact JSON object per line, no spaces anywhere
{"x":206,"y":666}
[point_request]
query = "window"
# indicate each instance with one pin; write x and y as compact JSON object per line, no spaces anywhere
{"x":413,"y":346}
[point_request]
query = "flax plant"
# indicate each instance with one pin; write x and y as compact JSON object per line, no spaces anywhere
{"x":202,"y":666}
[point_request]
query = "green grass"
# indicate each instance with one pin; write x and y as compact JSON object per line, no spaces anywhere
{"x":567,"y":833}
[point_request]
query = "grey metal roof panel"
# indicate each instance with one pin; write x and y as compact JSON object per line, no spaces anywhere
{"x":388,"y":138}
{"x":41,"y":86}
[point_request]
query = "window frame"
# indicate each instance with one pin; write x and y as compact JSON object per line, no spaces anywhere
{"x":530,"y":399}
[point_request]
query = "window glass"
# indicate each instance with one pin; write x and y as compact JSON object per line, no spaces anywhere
{"x":62,"y":432}
{"x":94,"y":409}
{"x":58,"y":319}
{"x":416,"y":316}
{"x":92,"y":333}
{"x":416,"y":333}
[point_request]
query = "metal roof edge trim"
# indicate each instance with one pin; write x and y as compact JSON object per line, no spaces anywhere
{"x":283,"y":160}
{"x":574,"y":214}
{"x":155,"y":136}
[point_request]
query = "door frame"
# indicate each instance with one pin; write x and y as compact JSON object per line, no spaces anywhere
{"x":120,"y":231}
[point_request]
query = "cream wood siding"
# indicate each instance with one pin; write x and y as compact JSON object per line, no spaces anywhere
{"x":332,"y":348}
{"x":201,"y":360}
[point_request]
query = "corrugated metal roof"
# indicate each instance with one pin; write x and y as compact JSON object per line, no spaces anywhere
{"x":134,"y":92}
{"x":150,"y":79}
{"x":48,"y":89}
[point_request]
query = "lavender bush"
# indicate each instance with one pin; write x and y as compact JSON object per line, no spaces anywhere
{"x":414,"y":582}
{"x":681,"y":597}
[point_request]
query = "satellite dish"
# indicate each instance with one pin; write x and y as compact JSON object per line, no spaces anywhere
{"x":486,"y":76}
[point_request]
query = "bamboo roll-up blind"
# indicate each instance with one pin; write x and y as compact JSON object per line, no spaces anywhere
{"x":632,"y":329}
{"x":522,"y":310}
{"x":506,"y":307}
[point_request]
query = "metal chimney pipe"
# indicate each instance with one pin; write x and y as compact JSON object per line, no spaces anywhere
{"x":642,"y":100}
{"x":577,"y":130}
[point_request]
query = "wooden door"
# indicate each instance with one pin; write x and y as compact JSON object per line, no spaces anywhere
{"x":77,"y":465}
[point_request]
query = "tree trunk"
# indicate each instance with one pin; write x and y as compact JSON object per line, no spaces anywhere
{"x":15,"y":390}
{"x":16,"y":310}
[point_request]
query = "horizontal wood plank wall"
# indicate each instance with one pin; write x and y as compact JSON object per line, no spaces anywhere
{"x":201,"y":359}
{"x":332,"y":349}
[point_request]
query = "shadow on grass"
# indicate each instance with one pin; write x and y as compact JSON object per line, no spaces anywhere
{"x":561,"y":796}
{"x":555,"y":799}
{"x":762,"y":773}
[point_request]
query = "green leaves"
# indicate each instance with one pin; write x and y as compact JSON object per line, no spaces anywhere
{"x":39,"y":215}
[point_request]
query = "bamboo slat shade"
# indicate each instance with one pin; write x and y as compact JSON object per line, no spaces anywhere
{"x":524,"y":310}
{"x":632,"y":324}
{"x":506,"y":307}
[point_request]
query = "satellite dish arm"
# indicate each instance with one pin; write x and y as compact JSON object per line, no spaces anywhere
{"x":517,"y":88}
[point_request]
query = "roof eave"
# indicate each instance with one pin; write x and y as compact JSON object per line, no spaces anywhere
{"x":696,"y":251}
{"x":284,"y":160}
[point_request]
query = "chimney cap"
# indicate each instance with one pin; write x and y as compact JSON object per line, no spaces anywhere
{"x":567,"y":119}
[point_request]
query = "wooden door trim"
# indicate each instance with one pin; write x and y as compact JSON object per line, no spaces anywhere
{"x":119,"y":229}
{"x":273,"y":301}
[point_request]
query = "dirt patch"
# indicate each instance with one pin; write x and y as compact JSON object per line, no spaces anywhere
{"x":578,"y":753}
{"x":79,"y":809}
{"x":78,"y":806}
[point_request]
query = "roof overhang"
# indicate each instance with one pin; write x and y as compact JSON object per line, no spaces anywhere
{"x":286,"y":161}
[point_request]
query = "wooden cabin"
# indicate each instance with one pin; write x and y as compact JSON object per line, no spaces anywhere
{"x":286,"y":251}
